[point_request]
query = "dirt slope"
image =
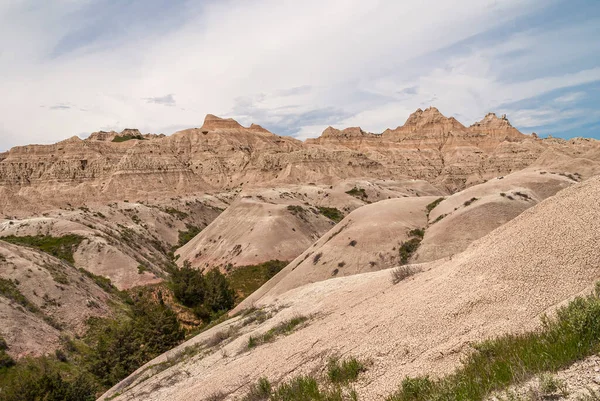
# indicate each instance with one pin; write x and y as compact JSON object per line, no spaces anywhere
{"x":501,"y":283}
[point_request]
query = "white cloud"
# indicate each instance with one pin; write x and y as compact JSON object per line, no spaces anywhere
{"x":294,"y":66}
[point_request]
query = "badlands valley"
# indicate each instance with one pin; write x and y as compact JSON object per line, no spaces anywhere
{"x":433,"y":261}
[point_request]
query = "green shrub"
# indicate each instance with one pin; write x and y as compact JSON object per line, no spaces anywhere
{"x":470,"y":201}
{"x":403,"y":272}
{"x":128,"y":137}
{"x":60,"y":247}
{"x":283,"y":328}
{"x":408,"y":248}
{"x":344,"y":371}
{"x":187,"y":235}
{"x":5,"y":360}
{"x":331,"y":213}
{"x":359,"y":193}
{"x":433,"y":205}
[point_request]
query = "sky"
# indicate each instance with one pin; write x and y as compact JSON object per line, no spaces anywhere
{"x":72,"y":67}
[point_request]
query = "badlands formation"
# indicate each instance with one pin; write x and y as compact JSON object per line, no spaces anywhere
{"x":504,"y":227}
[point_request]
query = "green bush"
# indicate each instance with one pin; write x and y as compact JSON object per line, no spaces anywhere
{"x":43,"y":380}
{"x":208,"y":294}
{"x":187,"y":235}
{"x":358,"y":193}
{"x":331,"y":213}
{"x":344,"y":371}
{"x":408,"y":248}
{"x":117,"y":348}
{"x":433,"y":205}
{"x":125,"y":138}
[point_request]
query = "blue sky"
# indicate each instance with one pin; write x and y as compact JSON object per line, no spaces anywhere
{"x":71,"y":67}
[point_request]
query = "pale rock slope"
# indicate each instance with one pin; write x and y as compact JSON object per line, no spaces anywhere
{"x":61,"y":299}
{"x":502,"y":283}
{"x":472,"y":213}
{"x":281,"y":223}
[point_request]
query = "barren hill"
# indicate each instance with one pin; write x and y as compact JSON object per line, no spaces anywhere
{"x":501,"y":283}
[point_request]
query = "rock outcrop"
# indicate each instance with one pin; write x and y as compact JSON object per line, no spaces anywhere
{"x":222,"y":154}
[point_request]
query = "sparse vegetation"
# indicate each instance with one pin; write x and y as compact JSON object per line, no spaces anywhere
{"x":317,"y":257}
{"x":352,"y":243}
{"x":296,"y":210}
{"x":470,"y":201}
{"x":187,"y":235}
{"x":333,"y":387}
{"x":175,"y":213}
{"x":331,"y":213}
{"x":440,"y":217}
{"x":433,"y":205}
{"x":344,"y":371}
{"x":128,"y":137}
{"x":283,"y":328}
{"x":246,"y":279}
{"x":403,"y":272}
{"x":359,"y":193}
{"x":60,"y":247}
{"x":573,"y":334}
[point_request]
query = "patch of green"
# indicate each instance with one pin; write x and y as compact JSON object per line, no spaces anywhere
{"x":283,"y":328}
{"x":117,"y":348}
{"x":417,"y":233}
{"x":359,"y":193}
{"x":331,"y":213}
{"x":401,"y":273}
{"x":45,"y":379}
{"x":433,"y":205}
{"x":175,"y":213}
{"x":470,"y":201}
{"x":334,"y":387}
{"x":60,"y":247}
{"x":344,"y":371}
{"x":57,"y":272}
{"x":210,"y":295}
{"x":440,"y":217}
{"x":246,"y":279}
{"x":126,"y":138}
{"x":9,"y":290}
{"x":142,"y":269}
{"x":572,"y":335}
{"x":408,"y":248}
{"x":187,"y":235}
{"x":296,"y":210}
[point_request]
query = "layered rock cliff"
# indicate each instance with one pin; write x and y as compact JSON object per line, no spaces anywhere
{"x":222,"y":155}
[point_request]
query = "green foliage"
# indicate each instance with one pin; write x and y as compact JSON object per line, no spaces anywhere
{"x":208,"y":294}
{"x":433,"y":205}
{"x":283,"y":328}
{"x":5,"y":360}
{"x":441,"y":216}
{"x":3,"y":344}
{"x":334,"y":387}
{"x":44,"y":379}
{"x":470,"y":201}
{"x":331,"y":213}
{"x":125,"y":138}
{"x":344,"y":371}
{"x":417,"y":233}
{"x":187,"y":235}
{"x":175,"y":212}
{"x":9,"y":290}
{"x":359,"y":193}
{"x":408,"y":248}
{"x":120,"y":347}
{"x":296,"y":210}
{"x":246,"y":279}
{"x":60,"y":247}
{"x":514,"y":358}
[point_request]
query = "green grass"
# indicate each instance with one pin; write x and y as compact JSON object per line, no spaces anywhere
{"x":246,"y":279}
{"x":344,"y":371}
{"x":283,"y":328}
{"x":126,"y":138}
{"x":187,"y":235}
{"x":331,"y":213}
{"x":333,"y":387}
{"x":175,"y":213}
{"x":433,"y":205}
{"x":60,"y":247}
{"x":9,"y":290}
{"x":573,"y":334}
